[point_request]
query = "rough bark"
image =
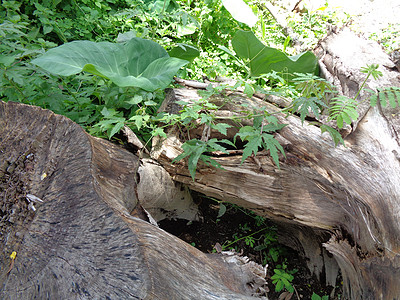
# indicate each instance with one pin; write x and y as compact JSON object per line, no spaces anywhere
{"x":344,"y":200}
{"x":82,"y":242}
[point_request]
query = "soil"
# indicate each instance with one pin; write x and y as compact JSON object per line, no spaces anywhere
{"x":237,"y":223}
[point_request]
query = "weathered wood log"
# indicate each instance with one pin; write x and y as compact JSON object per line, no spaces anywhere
{"x":77,"y":238}
{"x":344,"y":201}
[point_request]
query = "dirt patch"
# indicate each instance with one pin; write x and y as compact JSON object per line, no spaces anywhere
{"x":237,"y":223}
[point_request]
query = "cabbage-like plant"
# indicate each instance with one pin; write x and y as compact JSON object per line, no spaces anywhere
{"x":137,"y":63}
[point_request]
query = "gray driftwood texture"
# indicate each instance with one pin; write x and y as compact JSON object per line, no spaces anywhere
{"x":340,"y":206}
{"x":82,"y":242}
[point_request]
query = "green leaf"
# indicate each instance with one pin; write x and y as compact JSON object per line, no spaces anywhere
{"x":240,"y":11}
{"x":16,"y":76}
{"x":193,"y":149}
{"x":288,"y":285}
{"x":158,"y":5}
{"x":117,"y":127}
{"x":315,"y":297}
{"x":342,"y":110}
{"x":7,"y":60}
{"x":135,"y":100}
{"x":251,"y":147}
{"x":257,"y":121}
{"x":228,"y":142}
{"x":213,"y":146}
{"x":138,"y":63}
{"x":184,"y":51}
{"x":271,"y":144}
{"x":373,"y":100}
{"x":303,"y":105}
{"x":336,"y":136}
{"x":221,"y":127}
{"x":108,"y":112}
{"x":159,"y":132}
{"x":392,"y":99}
{"x":397,"y":94}
{"x":339,"y":121}
{"x":372,"y":70}
{"x":209,"y":161}
{"x":279,"y":285}
{"x":194,"y":158}
{"x":248,"y":90}
{"x":382,"y":98}
{"x":346,"y":118}
{"x":223,"y":48}
{"x":274,"y":253}
{"x":187,"y":29}
{"x":273,"y":127}
{"x":221,"y":211}
{"x":264,"y":59}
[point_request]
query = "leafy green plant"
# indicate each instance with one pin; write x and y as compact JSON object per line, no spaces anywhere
{"x":196,"y":149}
{"x":243,"y":234}
{"x":137,"y":63}
{"x":385,"y":95}
{"x":262,"y":59}
{"x":268,"y":246}
{"x":304,"y":105}
{"x":283,"y":278}
{"x":318,"y":297}
{"x":311,"y":26}
{"x":259,"y":135}
{"x":310,"y":85}
{"x":259,"y":236}
{"x":313,"y":96}
{"x":63,"y":21}
{"x":388,"y":37}
{"x":184,"y":51}
{"x":343,"y":109}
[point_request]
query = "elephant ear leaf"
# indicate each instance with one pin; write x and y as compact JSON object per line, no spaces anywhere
{"x":263,"y":59}
{"x":138,"y":62}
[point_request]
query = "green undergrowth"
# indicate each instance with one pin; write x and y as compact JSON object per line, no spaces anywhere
{"x":259,"y":238}
{"x":106,"y":64}
{"x":136,"y":49}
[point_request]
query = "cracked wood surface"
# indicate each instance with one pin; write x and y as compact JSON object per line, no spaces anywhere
{"x":345,"y":200}
{"x":82,"y":242}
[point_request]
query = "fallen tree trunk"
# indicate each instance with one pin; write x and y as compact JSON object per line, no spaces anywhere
{"x":344,"y":201}
{"x":66,"y":204}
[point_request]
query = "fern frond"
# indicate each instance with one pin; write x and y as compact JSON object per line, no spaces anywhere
{"x":386,"y":95}
{"x":343,"y":110}
{"x":392,"y":94}
{"x":382,"y":98}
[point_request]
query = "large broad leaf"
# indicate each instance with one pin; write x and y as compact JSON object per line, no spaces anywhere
{"x":138,"y":63}
{"x":240,"y":11}
{"x":265,"y":59}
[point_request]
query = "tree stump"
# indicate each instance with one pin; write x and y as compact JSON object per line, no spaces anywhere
{"x":338,"y":206}
{"x":66,"y":203}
